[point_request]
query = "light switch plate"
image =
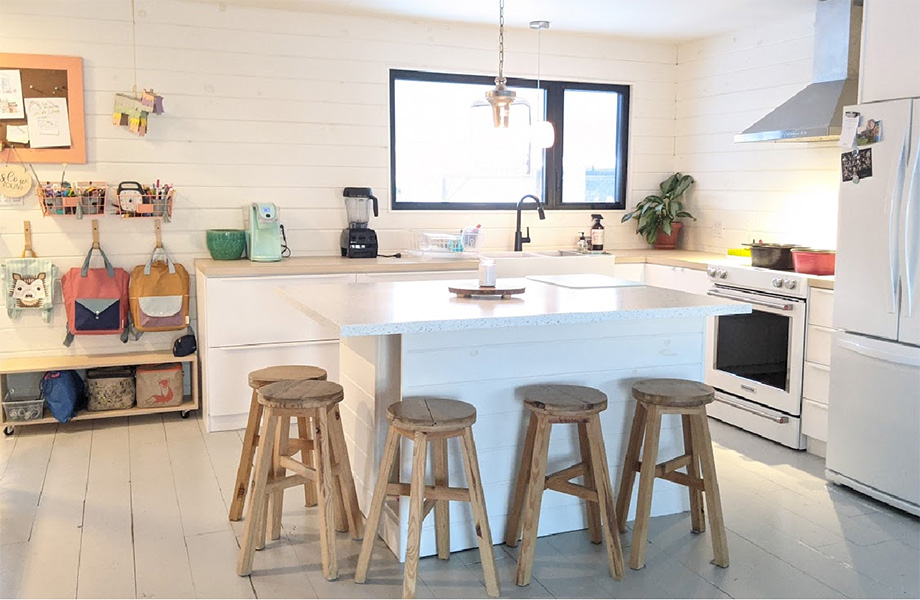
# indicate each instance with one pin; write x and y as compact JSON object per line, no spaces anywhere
{"x":717,"y":230}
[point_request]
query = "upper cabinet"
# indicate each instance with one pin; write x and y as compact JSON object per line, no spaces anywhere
{"x":890,"y":55}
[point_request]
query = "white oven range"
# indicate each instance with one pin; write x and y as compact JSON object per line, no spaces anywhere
{"x":756,"y":361}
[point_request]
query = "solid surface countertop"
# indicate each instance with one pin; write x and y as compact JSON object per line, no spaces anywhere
{"x":426,"y":306}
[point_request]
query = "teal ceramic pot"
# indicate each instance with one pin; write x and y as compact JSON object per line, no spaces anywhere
{"x":226,"y":244}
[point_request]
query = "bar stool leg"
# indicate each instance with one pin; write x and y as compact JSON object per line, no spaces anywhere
{"x":324,"y":496}
{"x":304,"y":431}
{"x":605,"y":497}
{"x":480,"y":515}
{"x":697,"y":518}
{"x":534,"y":500}
{"x":441,"y":507}
{"x":346,"y":482}
{"x":593,"y":510}
{"x":703,"y":443}
{"x":280,"y":448}
{"x":636,"y":433}
{"x":257,"y":507}
{"x":513,"y":526}
{"x":341,"y":519}
{"x":646,"y":485}
{"x":244,"y":471}
{"x":416,"y":499}
{"x":373,"y":515}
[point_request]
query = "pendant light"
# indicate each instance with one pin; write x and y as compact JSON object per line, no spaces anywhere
{"x":501,"y":101}
{"x":544,"y":136}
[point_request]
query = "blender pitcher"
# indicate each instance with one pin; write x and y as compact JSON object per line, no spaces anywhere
{"x":358,"y":205}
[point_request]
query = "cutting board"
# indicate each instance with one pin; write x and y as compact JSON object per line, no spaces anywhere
{"x":584,"y":281}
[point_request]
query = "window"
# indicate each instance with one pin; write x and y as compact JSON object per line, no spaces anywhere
{"x":441,"y":157}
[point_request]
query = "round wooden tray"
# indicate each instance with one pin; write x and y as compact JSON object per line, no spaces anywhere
{"x":469,"y":292}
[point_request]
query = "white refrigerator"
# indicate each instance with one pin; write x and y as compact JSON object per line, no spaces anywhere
{"x":873,"y":433}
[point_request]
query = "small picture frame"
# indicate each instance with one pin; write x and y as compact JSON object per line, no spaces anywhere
{"x":856,"y":165}
{"x":870,"y":134}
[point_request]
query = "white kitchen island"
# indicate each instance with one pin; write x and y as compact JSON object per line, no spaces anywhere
{"x":406,"y":339}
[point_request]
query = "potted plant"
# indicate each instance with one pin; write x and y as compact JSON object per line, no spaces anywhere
{"x":657,"y":215}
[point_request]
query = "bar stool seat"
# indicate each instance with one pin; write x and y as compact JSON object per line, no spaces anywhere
{"x":258,"y":379}
{"x":330,"y":476}
{"x":436,"y":420}
{"x":656,"y":397}
{"x":549,"y":404}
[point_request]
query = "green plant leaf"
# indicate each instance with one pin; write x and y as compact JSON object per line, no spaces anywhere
{"x":683,"y":183}
{"x":668,"y":184}
{"x":627,"y":216}
{"x":666,"y":228}
{"x":684,"y":213}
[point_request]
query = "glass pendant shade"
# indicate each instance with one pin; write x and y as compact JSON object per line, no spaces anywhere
{"x":544,"y":135}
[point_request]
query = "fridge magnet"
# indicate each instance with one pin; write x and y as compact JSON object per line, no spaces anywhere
{"x":848,"y":131}
{"x":856,"y":165}
{"x":871,"y":134}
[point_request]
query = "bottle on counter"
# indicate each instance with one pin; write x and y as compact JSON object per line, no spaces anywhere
{"x":597,"y":234}
{"x":582,"y":246}
{"x":486,"y":272}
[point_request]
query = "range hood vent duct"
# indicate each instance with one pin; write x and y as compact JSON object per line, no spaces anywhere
{"x":816,"y":112}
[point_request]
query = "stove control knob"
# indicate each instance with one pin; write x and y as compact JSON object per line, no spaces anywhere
{"x":711,"y":271}
{"x":777,"y":282}
{"x":790,"y":284}
{"x":722,"y":273}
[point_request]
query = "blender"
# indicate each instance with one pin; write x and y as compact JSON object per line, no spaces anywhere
{"x":358,"y":241}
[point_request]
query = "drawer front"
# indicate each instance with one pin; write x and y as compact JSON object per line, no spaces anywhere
{"x":227,"y":370}
{"x":818,"y":344}
{"x":820,"y":307}
{"x":417,"y":276}
{"x":246,"y":310}
{"x":816,"y":382}
{"x":814,"y":419}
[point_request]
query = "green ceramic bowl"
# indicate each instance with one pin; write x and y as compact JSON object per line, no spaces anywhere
{"x":226,"y":244}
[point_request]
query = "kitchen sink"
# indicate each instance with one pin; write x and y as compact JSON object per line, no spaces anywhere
{"x":549,"y":262}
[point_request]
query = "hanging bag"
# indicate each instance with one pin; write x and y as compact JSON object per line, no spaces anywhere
{"x":96,"y":300}
{"x":158,"y":294}
{"x":29,"y":284}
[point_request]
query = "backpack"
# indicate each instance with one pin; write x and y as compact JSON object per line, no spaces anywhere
{"x":158,"y":295}
{"x":95,"y":300}
{"x":29,"y":286}
{"x":64,"y":392}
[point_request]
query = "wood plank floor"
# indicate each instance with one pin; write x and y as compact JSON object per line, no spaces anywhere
{"x":137,"y":508}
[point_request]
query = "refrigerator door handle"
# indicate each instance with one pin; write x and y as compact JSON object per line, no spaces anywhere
{"x":894,"y":210}
{"x":882,"y":355}
{"x":912,"y":233}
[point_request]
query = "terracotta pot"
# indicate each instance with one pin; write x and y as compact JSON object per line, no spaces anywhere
{"x":668,"y":242}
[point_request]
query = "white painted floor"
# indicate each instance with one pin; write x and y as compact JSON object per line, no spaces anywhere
{"x":137,"y":508}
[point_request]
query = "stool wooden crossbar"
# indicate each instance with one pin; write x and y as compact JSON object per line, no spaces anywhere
{"x":550,"y":404}
{"x":656,"y":397}
{"x":258,"y":379}
{"x":435,"y":420}
{"x":329,"y":475}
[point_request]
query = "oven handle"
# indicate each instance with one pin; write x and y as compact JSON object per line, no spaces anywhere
{"x":753,"y":411}
{"x":749,"y":300}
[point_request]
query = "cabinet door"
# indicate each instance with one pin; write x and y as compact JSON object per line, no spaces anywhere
{"x":247,"y":310}
{"x":683,"y":279}
{"x":660,"y":276}
{"x":890,"y":55}
{"x":416,"y":276}
{"x":227,"y":388}
{"x":630,"y":271}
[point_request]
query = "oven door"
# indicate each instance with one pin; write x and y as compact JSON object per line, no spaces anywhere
{"x":759,"y":356}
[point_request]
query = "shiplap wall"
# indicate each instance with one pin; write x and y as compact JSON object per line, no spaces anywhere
{"x":784,"y":192}
{"x":288,"y":107}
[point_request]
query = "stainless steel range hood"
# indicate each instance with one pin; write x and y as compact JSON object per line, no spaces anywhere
{"x":816,"y":113}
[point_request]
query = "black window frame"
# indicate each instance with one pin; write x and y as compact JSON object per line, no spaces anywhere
{"x":555,"y":110}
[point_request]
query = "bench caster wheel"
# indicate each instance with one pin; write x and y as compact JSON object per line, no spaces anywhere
{"x":184,"y":414}
{"x":8,"y":430}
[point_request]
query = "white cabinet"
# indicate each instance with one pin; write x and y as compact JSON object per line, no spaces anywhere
{"x":890,"y":50}
{"x":630,"y":271}
{"x":816,"y":378}
{"x":417,"y":276}
{"x":684,"y":279}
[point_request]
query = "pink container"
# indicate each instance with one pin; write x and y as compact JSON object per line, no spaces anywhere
{"x":814,"y":262}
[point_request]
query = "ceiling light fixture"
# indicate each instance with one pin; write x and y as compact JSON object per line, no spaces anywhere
{"x":501,"y":100}
{"x":544,"y":136}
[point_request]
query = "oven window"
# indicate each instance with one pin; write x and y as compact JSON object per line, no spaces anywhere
{"x":755,"y":347}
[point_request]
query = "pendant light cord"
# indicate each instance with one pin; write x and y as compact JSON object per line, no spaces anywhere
{"x":539,"y":34}
{"x":501,"y":39}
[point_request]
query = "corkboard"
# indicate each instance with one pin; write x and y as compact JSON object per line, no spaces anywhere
{"x":47,"y":76}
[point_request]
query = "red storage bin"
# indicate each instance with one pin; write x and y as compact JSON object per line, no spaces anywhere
{"x":814,"y":262}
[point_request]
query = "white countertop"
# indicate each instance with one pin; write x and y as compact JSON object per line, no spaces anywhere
{"x":358,"y":309}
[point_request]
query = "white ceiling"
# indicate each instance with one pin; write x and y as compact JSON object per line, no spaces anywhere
{"x":658,"y":19}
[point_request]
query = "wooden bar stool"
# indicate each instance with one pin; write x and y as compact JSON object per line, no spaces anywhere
{"x":258,"y":379}
{"x":420,"y":420}
{"x":301,"y":399}
{"x":549,"y":404}
{"x":689,"y":399}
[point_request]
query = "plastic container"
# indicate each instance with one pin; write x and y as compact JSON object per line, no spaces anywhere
{"x":814,"y":262}
{"x":110,"y":388}
{"x":23,"y":408}
{"x":486,"y":272}
{"x":159,"y":385}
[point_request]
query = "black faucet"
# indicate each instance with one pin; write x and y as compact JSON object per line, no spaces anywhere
{"x":520,"y":240}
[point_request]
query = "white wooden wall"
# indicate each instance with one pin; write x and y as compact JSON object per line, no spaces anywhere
{"x":288,"y":107}
{"x":784,"y":192}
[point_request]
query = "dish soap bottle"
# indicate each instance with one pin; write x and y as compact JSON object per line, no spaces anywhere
{"x":597,"y":234}
{"x":582,"y":246}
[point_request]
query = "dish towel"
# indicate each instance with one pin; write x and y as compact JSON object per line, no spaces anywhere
{"x":28,"y":284}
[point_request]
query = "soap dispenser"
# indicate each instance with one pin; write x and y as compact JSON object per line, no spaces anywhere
{"x":582,"y":246}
